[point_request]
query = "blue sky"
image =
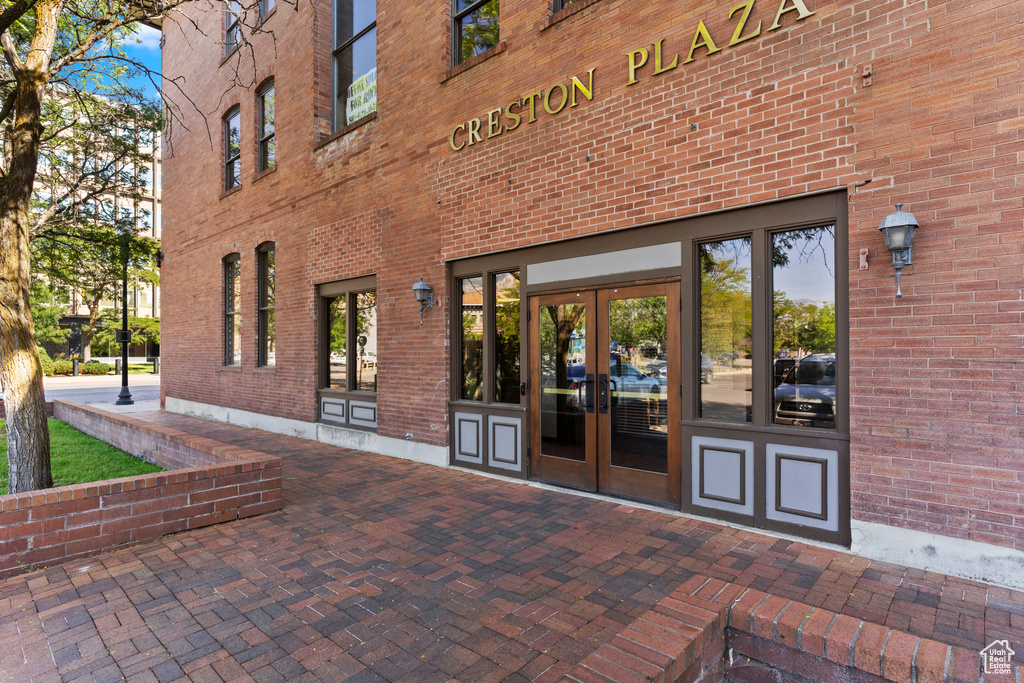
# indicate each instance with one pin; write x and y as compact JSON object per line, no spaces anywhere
{"x":145,"y":47}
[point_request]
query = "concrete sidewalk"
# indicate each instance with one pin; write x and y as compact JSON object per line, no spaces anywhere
{"x":380,"y":569}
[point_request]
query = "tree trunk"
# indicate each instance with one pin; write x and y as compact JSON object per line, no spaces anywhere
{"x":28,"y":438}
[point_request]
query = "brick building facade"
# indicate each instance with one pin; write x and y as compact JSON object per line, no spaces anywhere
{"x":609,"y":146}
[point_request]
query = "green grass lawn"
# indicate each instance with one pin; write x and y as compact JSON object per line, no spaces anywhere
{"x":76,"y":458}
{"x":140,"y":368}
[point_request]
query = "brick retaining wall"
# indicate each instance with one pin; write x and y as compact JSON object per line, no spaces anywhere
{"x":3,"y":411}
{"x":206,"y":482}
{"x":714,"y":630}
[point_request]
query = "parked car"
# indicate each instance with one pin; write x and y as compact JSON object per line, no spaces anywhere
{"x":807,"y":395}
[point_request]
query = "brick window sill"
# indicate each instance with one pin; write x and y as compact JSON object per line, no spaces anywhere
{"x":358,"y":123}
{"x":470,"y":63}
{"x":229,"y":55}
{"x":233,"y":190}
{"x":231,"y":368}
{"x":567,"y":12}
{"x":264,"y":173}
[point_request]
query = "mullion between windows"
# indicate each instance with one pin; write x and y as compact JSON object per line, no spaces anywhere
{"x":458,"y":16}
{"x":354,"y":38}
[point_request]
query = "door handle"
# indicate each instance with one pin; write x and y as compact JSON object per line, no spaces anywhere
{"x":602,"y":393}
{"x":589,"y":382}
{"x":615,"y":392}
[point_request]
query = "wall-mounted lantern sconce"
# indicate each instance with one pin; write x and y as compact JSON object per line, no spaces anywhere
{"x":898,"y":229}
{"x":423,"y":295}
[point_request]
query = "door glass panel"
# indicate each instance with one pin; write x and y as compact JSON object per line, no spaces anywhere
{"x":637,"y":383}
{"x":804,"y":327}
{"x":563,"y":391}
{"x":725,"y":334}
{"x":472,"y":317}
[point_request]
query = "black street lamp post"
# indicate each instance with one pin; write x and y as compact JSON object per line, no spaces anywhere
{"x":123,"y":336}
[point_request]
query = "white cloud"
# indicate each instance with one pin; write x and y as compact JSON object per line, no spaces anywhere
{"x":149,"y":38}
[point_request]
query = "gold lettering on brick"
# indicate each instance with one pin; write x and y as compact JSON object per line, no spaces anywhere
{"x":634,"y":64}
{"x":516,"y":118}
{"x":451,"y":138}
{"x":533,"y":98}
{"x":797,"y":6}
{"x":586,"y":91}
{"x":547,"y":98}
{"x":701,"y":38}
{"x":474,"y":132}
{"x":658,"y":68}
{"x":738,"y":36}
{"x":494,"y":123}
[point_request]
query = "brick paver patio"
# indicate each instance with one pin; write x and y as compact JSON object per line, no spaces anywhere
{"x":379,"y":569}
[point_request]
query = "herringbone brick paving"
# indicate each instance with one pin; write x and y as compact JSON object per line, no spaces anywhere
{"x":379,"y":569}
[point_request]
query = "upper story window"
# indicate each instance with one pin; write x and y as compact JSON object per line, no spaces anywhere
{"x":355,"y":60}
{"x":266,"y":7}
{"x":232,"y":310}
{"x":475,"y":28}
{"x":232,"y":29}
{"x":232,"y":149}
{"x":562,"y":4}
{"x":266,"y":125}
{"x":265,"y":334}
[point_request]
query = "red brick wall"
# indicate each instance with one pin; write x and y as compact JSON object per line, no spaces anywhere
{"x":222,"y":483}
{"x":936,"y":377}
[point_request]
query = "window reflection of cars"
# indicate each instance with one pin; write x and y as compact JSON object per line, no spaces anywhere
{"x":707,"y":370}
{"x":626,"y":382}
{"x":807,"y":395}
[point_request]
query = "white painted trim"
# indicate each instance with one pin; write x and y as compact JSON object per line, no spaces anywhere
{"x":940,"y":554}
{"x":635,"y":260}
{"x":314,"y":431}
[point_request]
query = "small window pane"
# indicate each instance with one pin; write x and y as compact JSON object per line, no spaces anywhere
{"x":366,"y":341}
{"x":351,"y":17}
{"x":477,"y":31}
{"x":725,"y":368}
{"x":266,"y":334}
{"x":356,"y":71}
{"x":232,"y":314}
{"x":234,"y":136}
{"x":269,"y":339}
{"x":506,"y":338}
{"x":267,"y":114}
{"x":269,"y":278}
{"x":804,"y":327}
{"x":337,"y":356}
{"x":472,"y":316}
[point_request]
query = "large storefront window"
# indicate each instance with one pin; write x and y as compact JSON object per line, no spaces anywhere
{"x":337,"y":343}
{"x":804,"y":327}
{"x":506,"y":337}
{"x":366,"y":340}
{"x":348,"y":352}
{"x":489,"y":340}
{"x":472,"y":321}
{"x":726,"y":361}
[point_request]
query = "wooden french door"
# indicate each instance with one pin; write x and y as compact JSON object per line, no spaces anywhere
{"x":605,"y":403}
